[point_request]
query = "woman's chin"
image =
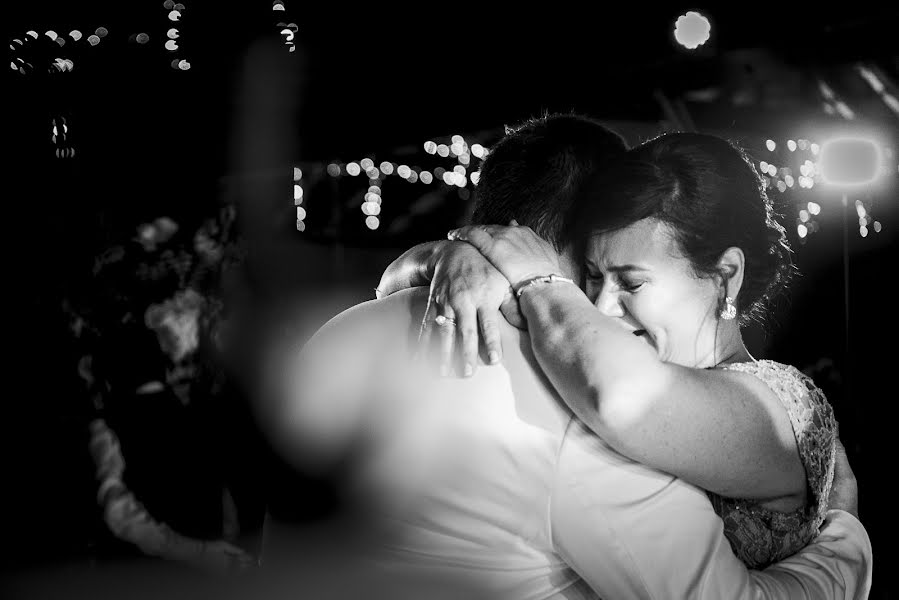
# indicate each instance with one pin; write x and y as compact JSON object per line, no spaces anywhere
{"x":644,"y":335}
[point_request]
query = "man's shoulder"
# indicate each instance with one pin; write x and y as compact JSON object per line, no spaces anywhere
{"x":376,"y":321}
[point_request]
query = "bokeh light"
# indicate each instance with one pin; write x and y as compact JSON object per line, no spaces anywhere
{"x":692,"y":30}
{"x":353,"y":169}
{"x":771,"y":145}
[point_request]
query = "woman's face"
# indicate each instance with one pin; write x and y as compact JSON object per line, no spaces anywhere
{"x":638,"y":275}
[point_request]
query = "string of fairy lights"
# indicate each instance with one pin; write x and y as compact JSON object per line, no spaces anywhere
{"x":805,"y":177}
{"x":52,"y":52}
{"x":460,"y":175}
{"x":24,"y":51}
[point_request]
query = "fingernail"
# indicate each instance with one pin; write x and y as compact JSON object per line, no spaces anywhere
{"x":468,"y":370}
{"x":493,"y":356}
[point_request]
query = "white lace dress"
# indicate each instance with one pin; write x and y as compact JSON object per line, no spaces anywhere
{"x":760,"y":536}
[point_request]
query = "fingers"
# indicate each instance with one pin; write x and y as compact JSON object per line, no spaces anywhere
{"x":446,"y":332}
{"x":467,"y":328}
{"x":489,"y":322}
{"x":478,"y":236}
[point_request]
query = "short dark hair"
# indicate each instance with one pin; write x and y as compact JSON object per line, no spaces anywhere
{"x":537,"y":170}
{"x":707,"y":190}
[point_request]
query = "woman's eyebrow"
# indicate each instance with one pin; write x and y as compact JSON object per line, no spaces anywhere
{"x":623,"y":268}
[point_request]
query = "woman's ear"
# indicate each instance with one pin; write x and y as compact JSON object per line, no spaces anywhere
{"x":732,"y":266}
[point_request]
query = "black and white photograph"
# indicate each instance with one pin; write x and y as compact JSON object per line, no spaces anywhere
{"x":450,"y":301}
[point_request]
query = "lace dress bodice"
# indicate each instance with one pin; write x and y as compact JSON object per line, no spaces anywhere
{"x":760,"y":536}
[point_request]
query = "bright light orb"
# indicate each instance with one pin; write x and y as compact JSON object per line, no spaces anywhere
{"x":692,"y":30}
{"x":771,"y":145}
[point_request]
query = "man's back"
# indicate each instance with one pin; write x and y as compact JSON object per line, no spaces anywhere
{"x":462,"y":470}
{"x":489,"y":479}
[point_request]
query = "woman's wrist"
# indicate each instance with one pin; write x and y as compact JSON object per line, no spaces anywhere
{"x":529,"y":283}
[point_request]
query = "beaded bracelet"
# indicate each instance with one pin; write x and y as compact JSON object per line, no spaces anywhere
{"x":551,"y":278}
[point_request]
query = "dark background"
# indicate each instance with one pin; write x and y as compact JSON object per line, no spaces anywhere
{"x":378,"y":82}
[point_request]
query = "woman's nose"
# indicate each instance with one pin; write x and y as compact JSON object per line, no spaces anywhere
{"x":607,"y":303}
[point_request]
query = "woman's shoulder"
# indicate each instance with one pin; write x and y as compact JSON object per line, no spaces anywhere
{"x":796,"y":390}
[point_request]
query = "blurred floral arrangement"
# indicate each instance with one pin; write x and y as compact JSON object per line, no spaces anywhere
{"x":166,"y":283}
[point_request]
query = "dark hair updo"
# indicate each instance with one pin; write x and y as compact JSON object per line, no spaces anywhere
{"x":708,"y":192}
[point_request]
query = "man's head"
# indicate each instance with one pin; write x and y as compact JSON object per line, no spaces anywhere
{"x":534,"y":173}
